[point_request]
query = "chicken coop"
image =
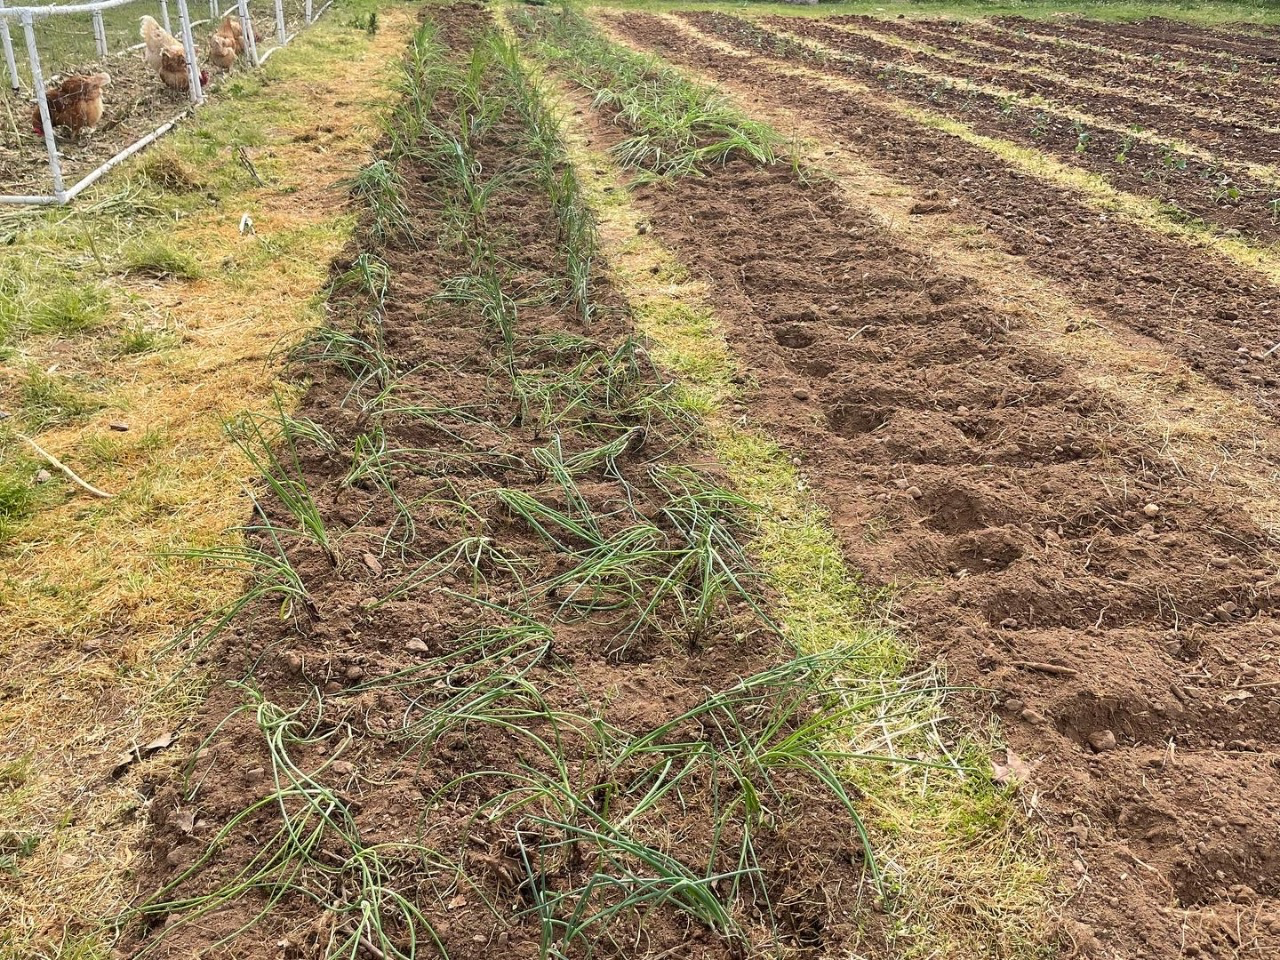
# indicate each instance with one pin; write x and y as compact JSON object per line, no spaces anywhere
{"x":65,"y":125}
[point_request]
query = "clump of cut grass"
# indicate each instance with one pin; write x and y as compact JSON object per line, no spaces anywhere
{"x":166,"y":168}
{"x":43,"y":300}
{"x":49,"y":399}
{"x":676,"y":126}
{"x":158,"y":257}
{"x":67,"y":309}
{"x":138,"y":338}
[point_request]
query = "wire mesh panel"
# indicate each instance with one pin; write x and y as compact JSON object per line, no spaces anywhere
{"x":115,"y":74}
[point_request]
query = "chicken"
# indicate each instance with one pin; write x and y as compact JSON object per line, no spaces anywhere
{"x":231,"y":25}
{"x":166,"y":56}
{"x":222,"y":51}
{"x":76,"y":103}
{"x":227,"y":42}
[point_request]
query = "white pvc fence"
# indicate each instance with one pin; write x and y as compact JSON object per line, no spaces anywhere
{"x":25,"y":19}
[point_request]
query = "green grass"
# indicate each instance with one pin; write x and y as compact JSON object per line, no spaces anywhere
{"x":158,"y":257}
{"x":137,"y":338}
{"x":49,"y":400}
{"x":68,"y":310}
{"x":41,"y":298}
{"x":18,"y":499}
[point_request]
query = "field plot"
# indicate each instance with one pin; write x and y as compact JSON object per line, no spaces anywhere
{"x":750,"y":486}
{"x":524,"y":691}
{"x":1116,"y":602}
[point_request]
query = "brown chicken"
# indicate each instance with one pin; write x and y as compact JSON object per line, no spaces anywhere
{"x":227,"y":42}
{"x":76,"y":103}
{"x":166,"y":56}
{"x":222,"y":51}
{"x":231,"y":26}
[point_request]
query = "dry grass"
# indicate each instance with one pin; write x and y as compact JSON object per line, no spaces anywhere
{"x":91,"y":600}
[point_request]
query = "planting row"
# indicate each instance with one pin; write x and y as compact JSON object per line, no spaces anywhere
{"x":505,"y":678}
{"x":1048,"y":554}
{"x":1218,"y":193}
{"x":1077,"y":69}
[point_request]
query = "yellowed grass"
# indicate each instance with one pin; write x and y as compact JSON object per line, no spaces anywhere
{"x":89,"y":599}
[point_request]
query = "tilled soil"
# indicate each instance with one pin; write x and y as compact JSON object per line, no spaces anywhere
{"x":1119,"y":618}
{"x":1176,"y":40}
{"x":1221,"y":94}
{"x":1218,"y":192}
{"x":1192,"y":300}
{"x":1232,"y":76}
{"x":391,"y":703}
{"x":1230,"y":139}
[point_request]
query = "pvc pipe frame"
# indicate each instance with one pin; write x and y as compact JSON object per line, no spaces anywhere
{"x":100,"y":33}
{"x":189,"y":48}
{"x":27,"y":16}
{"x":9,"y":62}
{"x":246,"y":31}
